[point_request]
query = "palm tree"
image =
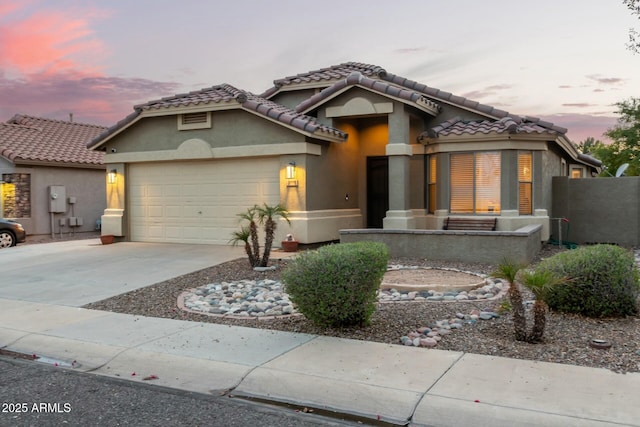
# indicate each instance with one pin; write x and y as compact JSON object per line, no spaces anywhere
{"x":508,"y":270}
{"x":539,"y":282}
{"x":251,"y":215}
{"x":268,"y":216}
{"x":243,"y":236}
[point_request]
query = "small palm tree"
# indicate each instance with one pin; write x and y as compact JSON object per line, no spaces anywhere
{"x":268,"y":216}
{"x":508,"y":270}
{"x":252,"y":216}
{"x":243,"y":236}
{"x":539,"y":282}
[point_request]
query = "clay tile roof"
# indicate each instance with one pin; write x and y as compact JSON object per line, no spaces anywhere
{"x":35,"y":139}
{"x":510,"y":125}
{"x":328,"y":75}
{"x":379,"y":86}
{"x":288,"y":116}
{"x":214,"y":94}
{"x":226,"y":93}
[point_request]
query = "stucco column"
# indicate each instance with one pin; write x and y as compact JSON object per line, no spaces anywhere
{"x":113,"y":218}
{"x":399,"y":216}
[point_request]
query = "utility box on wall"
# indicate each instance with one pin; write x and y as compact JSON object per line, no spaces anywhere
{"x":57,"y":199}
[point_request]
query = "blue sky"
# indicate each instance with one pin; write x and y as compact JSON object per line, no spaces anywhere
{"x":563,"y":60}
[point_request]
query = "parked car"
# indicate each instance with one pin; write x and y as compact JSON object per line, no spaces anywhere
{"x":11,"y":233}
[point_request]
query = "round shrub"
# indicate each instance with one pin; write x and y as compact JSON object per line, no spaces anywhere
{"x":337,"y":285}
{"x":602,"y":281}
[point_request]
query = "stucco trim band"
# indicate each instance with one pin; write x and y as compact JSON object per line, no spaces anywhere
{"x":215,"y":153}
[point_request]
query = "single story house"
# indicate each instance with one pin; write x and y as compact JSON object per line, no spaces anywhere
{"x":50,"y":181}
{"x":344,"y":147}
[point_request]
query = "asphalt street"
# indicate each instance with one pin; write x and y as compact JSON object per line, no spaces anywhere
{"x":35,"y":394}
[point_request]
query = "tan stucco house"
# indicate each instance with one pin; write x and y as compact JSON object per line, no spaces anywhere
{"x":50,"y":181}
{"x":344,"y":147}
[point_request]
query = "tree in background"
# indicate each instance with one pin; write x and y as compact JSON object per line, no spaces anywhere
{"x":625,"y":137}
{"x":625,"y":145}
{"x":634,"y":36}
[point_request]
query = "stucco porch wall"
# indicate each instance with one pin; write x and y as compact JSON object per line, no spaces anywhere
{"x":490,"y":247}
{"x":319,"y":226}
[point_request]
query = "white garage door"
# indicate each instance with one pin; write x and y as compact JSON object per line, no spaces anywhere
{"x":197,"y":202}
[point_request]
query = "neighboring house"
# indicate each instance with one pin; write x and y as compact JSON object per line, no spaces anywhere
{"x":51,"y":182}
{"x":349,"y":146}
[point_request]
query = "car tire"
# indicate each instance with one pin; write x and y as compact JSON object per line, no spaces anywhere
{"x":7,"y":239}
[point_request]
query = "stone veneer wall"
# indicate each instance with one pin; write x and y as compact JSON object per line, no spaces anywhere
{"x":17,"y":203}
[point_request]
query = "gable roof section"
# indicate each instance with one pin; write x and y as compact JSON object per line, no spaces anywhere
{"x":225,"y":96}
{"x":326,"y":77}
{"x":374,"y":85}
{"x":35,"y":140}
{"x":322,"y":77}
{"x":329,"y":76}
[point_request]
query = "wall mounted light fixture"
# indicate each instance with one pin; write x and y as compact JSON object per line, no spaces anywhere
{"x":290,"y":174}
{"x":112,"y":176}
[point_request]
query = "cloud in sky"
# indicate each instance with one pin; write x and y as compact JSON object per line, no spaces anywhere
{"x":489,"y":91}
{"x":582,"y":126}
{"x":579,"y":105}
{"x":606,"y":80}
{"x":81,"y":56}
{"x":51,"y":66}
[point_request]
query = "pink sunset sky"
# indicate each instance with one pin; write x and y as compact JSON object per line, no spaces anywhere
{"x":561,"y":60}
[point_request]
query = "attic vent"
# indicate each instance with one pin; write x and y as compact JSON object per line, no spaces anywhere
{"x":194,"y":121}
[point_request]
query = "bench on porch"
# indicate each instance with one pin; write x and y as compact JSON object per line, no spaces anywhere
{"x":474,"y":224}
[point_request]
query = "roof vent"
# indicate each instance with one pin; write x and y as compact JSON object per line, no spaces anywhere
{"x":201,"y":120}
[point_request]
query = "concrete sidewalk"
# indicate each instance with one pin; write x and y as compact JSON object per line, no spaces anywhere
{"x":391,"y":383}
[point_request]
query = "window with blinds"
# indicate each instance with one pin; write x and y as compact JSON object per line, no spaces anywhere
{"x":475,"y":183}
{"x":525,"y":183}
{"x":431,"y":185}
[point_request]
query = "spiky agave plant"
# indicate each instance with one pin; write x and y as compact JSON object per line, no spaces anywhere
{"x":268,"y":215}
{"x":539,"y":282}
{"x":251,"y":216}
{"x":243,"y":235}
{"x":508,"y":270}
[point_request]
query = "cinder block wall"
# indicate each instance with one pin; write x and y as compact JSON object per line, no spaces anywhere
{"x":600,"y":210}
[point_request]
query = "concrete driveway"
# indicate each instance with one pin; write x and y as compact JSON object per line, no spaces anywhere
{"x":75,"y":273}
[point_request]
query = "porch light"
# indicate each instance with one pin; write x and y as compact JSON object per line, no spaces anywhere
{"x":290,"y":174}
{"x":112,"y":176}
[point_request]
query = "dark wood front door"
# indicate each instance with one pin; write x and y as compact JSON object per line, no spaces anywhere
{"x":377,"y":190}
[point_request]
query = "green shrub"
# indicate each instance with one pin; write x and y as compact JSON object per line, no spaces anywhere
{"x":602,"y":281}
{"x":337,"y":285}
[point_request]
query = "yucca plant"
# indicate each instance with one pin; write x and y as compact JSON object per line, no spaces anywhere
{"x":539,"y":282}
{"x":243,"y":236}
{"x":508,"y":270}
{"x":268,"y":215}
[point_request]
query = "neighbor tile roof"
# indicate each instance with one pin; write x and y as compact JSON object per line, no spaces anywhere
{"x":35,"y":139}
{"x":510,"y":125}
{"x":226,"y":93}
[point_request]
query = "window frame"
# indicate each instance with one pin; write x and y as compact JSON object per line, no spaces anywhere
{"x":525,"y":180}
{"x":432,"y":180}
{"x":475,"y":186}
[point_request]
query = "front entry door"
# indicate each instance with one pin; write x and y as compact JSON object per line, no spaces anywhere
{"x":377,"y":190}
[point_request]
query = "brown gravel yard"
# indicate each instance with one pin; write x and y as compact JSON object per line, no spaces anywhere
{"x":566,"y":340}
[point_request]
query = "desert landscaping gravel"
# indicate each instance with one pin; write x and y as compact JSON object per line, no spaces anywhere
{"x":567,"y":337}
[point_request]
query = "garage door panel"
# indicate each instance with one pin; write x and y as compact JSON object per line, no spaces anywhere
{"x":197,"y":202}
